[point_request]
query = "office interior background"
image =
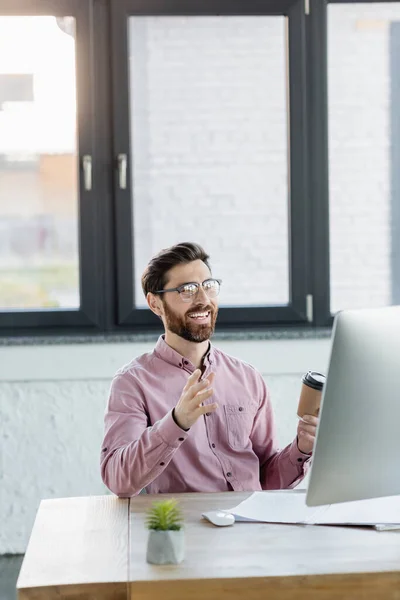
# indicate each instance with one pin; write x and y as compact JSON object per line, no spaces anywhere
{"x":267,"y":132}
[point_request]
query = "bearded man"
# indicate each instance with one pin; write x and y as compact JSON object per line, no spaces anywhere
{"x":188,"y":417}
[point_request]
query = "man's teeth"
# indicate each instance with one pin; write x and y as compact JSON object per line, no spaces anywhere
{"x":202,"y":315}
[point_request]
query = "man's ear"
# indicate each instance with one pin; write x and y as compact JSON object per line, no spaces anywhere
{"x":154,"y":303}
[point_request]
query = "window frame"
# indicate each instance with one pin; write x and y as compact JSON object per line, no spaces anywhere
{"x":361,"y":1}
{"x":317,"y":86}
{"x":106,"y":269}
{"x":229,"y":317}
{"x":87,"y":316}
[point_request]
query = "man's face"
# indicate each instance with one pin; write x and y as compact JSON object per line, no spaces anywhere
{"x":195,"y":320}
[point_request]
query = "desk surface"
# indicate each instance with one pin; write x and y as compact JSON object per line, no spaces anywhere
{"x":95,"y":548}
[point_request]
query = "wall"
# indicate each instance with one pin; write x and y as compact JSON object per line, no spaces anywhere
{"x":52,"y":400}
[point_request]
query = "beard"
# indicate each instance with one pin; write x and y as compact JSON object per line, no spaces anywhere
{"x":186,"y":328}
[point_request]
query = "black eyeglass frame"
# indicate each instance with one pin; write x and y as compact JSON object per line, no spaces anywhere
{"x":180,"y":287}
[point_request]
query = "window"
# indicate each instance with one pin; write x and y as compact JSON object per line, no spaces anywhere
{"x":47,"y":250}
{"x":216,"y":111}
{"x":38,"y":168}
{"x":267,"y":131}
{"x":364,"y":100}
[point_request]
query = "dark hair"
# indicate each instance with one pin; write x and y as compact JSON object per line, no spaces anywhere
{"x":154,"y":276}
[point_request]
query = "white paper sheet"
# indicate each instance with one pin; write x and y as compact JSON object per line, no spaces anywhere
{"x":272,"y":507}
{"x":289,"y":507}
{"x":364,"y":512}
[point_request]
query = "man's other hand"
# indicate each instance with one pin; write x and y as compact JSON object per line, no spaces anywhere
{"x":189,"y":408}
{"x":306,"y":431}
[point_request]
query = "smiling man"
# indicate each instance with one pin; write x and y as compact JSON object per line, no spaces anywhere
{"x":187,"y":417}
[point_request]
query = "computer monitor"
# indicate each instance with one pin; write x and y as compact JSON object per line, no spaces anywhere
{"x":357,"y":449}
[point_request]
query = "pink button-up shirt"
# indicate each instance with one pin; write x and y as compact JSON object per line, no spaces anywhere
{"x":234,"y":448}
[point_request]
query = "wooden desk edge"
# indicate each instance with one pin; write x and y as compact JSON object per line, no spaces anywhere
{"x":336,"y":586}
{"x":87,"y":591}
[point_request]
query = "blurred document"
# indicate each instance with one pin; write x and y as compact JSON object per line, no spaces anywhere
{"x":290,"y":507}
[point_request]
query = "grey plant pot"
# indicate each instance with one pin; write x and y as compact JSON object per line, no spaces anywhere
{"x":165,"y":547}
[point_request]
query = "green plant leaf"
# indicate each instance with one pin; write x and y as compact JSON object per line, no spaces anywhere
{"x":164,"y":515}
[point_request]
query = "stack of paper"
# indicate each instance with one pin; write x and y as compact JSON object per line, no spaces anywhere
{"x":290,"y":507}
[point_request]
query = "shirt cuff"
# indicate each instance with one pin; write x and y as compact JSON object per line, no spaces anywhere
{"x":296,"y":457}
{"x":170,"y":433}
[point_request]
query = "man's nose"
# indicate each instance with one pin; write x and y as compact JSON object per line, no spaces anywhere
{"x":202,"y":296}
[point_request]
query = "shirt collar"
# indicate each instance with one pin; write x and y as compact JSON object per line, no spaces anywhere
{"x":170,"y":355}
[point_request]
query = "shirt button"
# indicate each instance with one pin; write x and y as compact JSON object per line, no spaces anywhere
{"x":299,"y":460}
{"x":162,"y":464}
{"x":213,"y":445}
{"x":229,"y":474}
{"x":181,"y":439}
{"x":185,"y":362}
{"x":208,"y":414}
{"x":180,"y":364}
{"x":240,"y":408}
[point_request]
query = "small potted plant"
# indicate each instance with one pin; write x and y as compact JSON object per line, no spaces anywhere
{"x":165,"y":543}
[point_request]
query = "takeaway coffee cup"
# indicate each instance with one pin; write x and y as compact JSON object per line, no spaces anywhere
{"x":311,"y":392}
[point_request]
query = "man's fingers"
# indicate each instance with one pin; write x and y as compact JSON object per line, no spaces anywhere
{"x":202,"y":410}
{"x":201,"y":397}
{"x":192,"y":379}
{"x":310,"y":420}
{"x":211,"y":378}
{"x":201,"y":391}
{"x":309,"y":428}
{"x":196,"y":388}
{"x":307,"y":435}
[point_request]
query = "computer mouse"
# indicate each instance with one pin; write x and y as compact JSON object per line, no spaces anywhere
{"x":219,"y":518}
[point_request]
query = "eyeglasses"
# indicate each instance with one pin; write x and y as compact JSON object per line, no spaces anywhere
{"x":188,"y":291}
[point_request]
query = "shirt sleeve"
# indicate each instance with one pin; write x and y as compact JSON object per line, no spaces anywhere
{"x":133,"y":453}
{"x":279,"y":469}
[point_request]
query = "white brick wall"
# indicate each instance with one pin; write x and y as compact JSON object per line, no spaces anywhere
{"x":210,"y":145}
{"x":210,"y":150}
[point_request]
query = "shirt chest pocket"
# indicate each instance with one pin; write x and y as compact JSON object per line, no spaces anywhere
{"x":239,"y":423}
